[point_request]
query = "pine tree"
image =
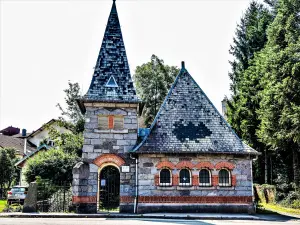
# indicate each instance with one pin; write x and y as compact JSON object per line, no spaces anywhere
{"x":251,"y":38}
{"x":280,"y":105}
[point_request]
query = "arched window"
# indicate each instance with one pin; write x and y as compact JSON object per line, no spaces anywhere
{"x":165,"y":177}
{"x":224,"y":178}
{"x":185,"y":177}
{"x":204,"y":178}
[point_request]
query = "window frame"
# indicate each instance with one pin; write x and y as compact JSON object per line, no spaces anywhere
{"x":209,"y":175}
{"x":190,"y":177}
{"x":229,"y":184}
{"x":171,"y":178}
{"x":110,"y":122}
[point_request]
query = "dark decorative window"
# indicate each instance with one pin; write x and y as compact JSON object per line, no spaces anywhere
{"x":165,"y":178}
{"x":204,"y":178}
{"x":224,"y":178}
{"x":185,"y":177}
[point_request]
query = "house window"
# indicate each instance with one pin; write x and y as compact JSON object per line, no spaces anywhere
{"x":224,"y":178}
{"x":165,"y":177}
{"x":185,"y":177}
{"x":110,"y":122}
{"x":204,"y":178}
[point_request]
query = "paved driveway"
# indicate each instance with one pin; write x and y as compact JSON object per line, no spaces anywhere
{"x":103,"y":221}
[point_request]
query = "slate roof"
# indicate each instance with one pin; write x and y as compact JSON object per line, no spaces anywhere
{"x":188,"y":122}
{"x":16,"y":143}
{"x":111,"y":81}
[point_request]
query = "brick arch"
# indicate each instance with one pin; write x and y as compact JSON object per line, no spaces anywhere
{"x":165,"y":164}
{"x":227,"y":165}
{"x":185,"y":164}
{"x":208,"y":165}
{"x":109,"y":158}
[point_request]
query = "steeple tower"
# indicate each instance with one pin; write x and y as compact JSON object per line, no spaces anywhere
{"x":111,"y":81}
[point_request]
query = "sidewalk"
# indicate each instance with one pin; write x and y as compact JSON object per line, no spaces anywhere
{"x":187,"y":216}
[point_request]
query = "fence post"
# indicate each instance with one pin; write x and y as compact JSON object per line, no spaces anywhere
{"x":64,"y":188}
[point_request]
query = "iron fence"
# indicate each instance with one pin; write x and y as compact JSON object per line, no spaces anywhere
{"x":54,"y":197}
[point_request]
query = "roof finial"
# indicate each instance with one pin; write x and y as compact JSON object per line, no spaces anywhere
{"x":182,"y":65}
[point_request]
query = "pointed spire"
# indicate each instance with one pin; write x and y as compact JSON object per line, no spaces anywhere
{"x":112,"y":67}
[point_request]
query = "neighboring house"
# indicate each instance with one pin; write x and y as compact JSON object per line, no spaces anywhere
{"x":37,"y":138}
{"x":190,"y":160}
{"x":18,"y":144}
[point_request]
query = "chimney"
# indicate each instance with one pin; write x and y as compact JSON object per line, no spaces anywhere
{"x":224,"y":103}
{"x":23,"y":132}
{"x":25,"y":141}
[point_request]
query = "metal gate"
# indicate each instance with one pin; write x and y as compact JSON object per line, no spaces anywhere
{"x":109,"y":189}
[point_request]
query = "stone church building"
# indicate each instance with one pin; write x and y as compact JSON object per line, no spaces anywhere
{"x":189,"y":161}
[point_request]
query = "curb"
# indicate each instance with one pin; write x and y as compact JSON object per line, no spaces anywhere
{"x":124,"y":216}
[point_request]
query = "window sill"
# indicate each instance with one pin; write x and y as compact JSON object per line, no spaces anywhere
{"x":166,"y":188}
{"x":111,"y":131}
{"x":205,"y":187}
{"x":185,"y":187}
{"x":225,"y":187}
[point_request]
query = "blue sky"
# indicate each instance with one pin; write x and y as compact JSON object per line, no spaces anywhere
{"x":46,"y":43}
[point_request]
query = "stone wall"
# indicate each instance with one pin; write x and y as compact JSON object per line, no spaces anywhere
{"x":153,"y":197}
{"x":106,"y":147}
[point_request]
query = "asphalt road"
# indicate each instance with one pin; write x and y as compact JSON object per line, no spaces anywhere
{"x":111,"y":221}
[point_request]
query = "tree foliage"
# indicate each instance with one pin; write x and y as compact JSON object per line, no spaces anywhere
{"x":7,"y":168}
{"x":153,"y":80}
{"x":72,"y":112}
{"x":250,"y":39}
{"x":54,"y":165}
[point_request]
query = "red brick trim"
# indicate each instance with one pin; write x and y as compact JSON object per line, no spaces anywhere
{"x":166,"y":164}
{"x":185,"y":164}
{"x":195,"y":180}
{"x":233,"y":180}
{"x":126,"y":199}
{"x":156,"y":180}
{"x":110,"y":122}
{"x":201,"y":165}
{"x":108,"y":158}
{"x":195,"y":199}
{"x":227,"y":165}
{"x":215,"y":180}
{"x":84,"y":199}
{"x":175,"y":180}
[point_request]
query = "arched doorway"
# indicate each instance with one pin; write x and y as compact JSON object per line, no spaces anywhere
{"x":109,"y":188}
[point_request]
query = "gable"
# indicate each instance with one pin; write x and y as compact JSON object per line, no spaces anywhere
{"x":189,"y":122}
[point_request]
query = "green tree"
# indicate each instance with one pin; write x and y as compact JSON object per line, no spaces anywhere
{"x":153,"y":80}
{"x":250,"y":39}
{"x":72,"y":112}
{"x":54,"y":165}
{"x":280,"y":105}
{"x":7,"y":168}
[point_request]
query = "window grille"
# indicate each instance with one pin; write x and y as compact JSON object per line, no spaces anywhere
{"x":165,"y":178}
{"x":118,"y":122}
{"x":103,"y":122}
{"x":204,"y":178}
{"x":224,"y":178}
{"x":185,"y":177}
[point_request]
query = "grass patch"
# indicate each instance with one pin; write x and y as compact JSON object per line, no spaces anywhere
{"x":2,"y":205}
{"x":264,"y":207}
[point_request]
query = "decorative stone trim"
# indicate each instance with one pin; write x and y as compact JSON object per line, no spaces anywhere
{"x":110,"y":122}
{"x":108,"y":158}
{"x":233,"y":180}
{"x":195,"y":180}
{"x":84,"y":199}
{"x":156,"y":180}
{"x":175,"y":180}
{"x":195,"y":199}
{"x":214,"y":180}
{"x":227,"y":165}
{"x":165,"y":164}
{"x":185,"y":164}
{"x":207,"y":165}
